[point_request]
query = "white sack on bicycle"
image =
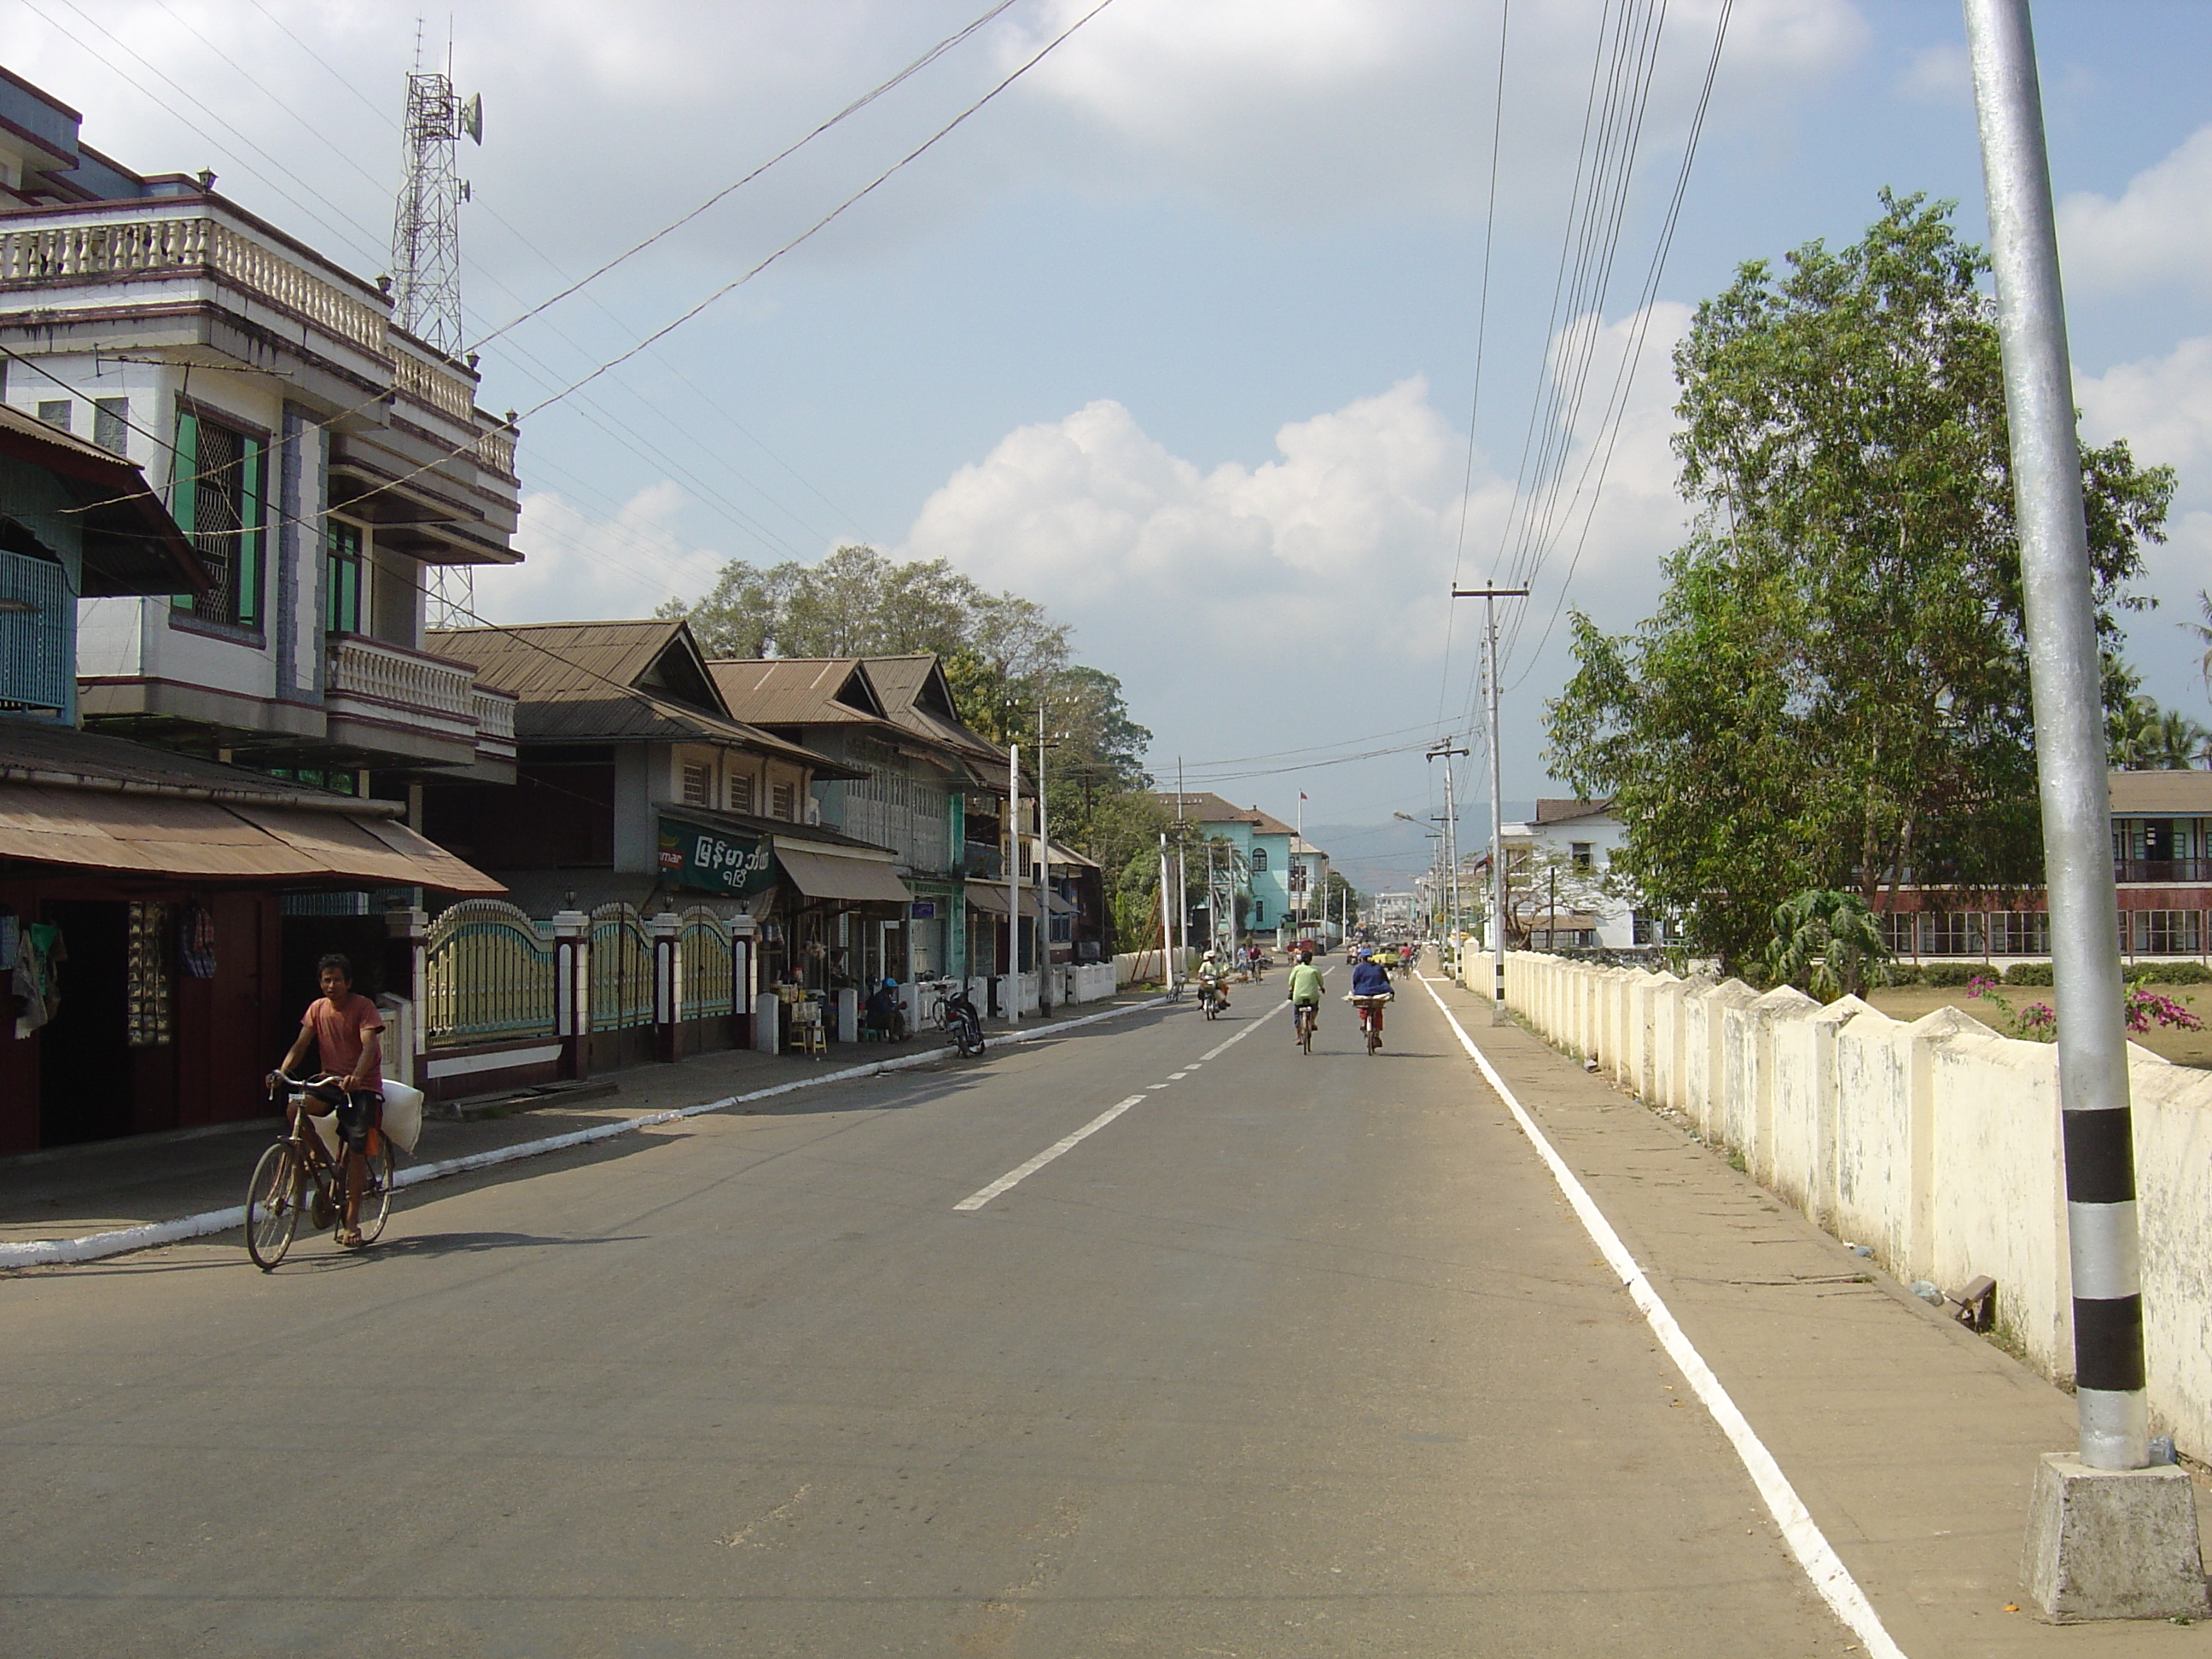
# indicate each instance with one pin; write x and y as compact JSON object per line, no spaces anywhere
{"x":403,"y":1116}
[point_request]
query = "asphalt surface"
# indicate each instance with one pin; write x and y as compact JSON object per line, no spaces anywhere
{"x":1293,"y":1356}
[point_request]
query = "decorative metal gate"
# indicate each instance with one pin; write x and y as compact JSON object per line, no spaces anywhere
{"x":622,"y":988}
{"x":706,"y":973}
{"x":487,"y":976}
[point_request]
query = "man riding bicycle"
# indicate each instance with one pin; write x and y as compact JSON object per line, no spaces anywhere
{"x":1305,"y":992}
{"x":1211,"y":968}
{"x":342,"y":1026}
{"x":1369,"y":979}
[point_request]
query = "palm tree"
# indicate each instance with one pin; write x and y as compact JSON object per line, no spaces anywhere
{"x":2203,"y":632}
{"x":1829,"y":940}
{"x":2179,"y":742}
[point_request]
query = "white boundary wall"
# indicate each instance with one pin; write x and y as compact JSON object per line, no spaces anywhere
{"x":1935,"y":1144}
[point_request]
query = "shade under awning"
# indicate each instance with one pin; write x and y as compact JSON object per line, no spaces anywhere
{"x":991,"y":896}
{"x":171,"y":835}
{"x":828,"y":876}
{"x":1060,"y":907}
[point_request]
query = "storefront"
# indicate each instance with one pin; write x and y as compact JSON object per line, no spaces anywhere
{"x":141,"y":928}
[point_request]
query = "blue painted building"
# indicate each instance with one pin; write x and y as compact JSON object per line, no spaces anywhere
{"x":1282,"y":877}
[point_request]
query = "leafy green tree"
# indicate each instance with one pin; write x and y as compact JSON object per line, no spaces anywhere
{"x":1834,"y":691}
{"x":1827,"y":942}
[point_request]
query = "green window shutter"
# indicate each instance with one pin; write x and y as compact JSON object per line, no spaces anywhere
{"x":184,"y":480}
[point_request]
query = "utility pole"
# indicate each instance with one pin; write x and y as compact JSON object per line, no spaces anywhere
{"x":1167,"y":923}
{"x":1451,"y":831}
{"x":1182,"y":876}
{"x":2106,"y":1505}
{"x":1490,"y":596}
{"x":1045,"y":874}
{"x":1014,"y":881}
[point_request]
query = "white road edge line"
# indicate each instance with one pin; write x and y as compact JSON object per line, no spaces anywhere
{"x":1014,"y":1177}
{"x":1830,"y":1576}
{"x":64,"y":1252}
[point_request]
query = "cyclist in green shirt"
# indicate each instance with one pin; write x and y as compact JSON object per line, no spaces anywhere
{"x":1305,"y":988}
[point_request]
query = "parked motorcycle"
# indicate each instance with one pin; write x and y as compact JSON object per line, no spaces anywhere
{"x":963,"y":1025}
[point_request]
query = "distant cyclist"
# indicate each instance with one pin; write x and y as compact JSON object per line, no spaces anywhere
{"x":1369,"y":979}
{"x":1305,"y":991}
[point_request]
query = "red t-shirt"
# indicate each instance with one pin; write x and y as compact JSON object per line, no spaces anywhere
{"x":342,"y":1029}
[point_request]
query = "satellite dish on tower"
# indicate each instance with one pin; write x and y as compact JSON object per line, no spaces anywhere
{"x":472,"y":117}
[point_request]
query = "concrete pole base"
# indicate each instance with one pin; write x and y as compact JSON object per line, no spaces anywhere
{"x":2112,"y":1543}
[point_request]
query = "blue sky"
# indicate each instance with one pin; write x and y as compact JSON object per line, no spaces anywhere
{"x":1178,"y":335}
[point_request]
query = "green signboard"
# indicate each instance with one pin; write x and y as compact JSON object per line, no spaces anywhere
{"x":724,"y":861}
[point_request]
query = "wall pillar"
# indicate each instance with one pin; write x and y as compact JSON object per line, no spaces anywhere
{"x":744,"y":966}
{"x":572,"y":991}
{"x":665,"y":930}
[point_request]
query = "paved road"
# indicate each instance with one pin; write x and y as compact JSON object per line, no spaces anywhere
{"x":1293,"y":1357}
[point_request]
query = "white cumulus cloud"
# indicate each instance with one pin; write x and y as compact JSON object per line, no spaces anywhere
{"x":2157,"y":231}
{"x":579,"y":567}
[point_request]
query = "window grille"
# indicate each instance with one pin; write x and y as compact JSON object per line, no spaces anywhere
{"x":1258,"y":860}
{"x":2021,"y":932}
{"x":741,"y":793}
{"x":1581,"y":853}
{"x":37,"y":618}
{"x":1897,"y":932}
{"x":111,"y":424}
{"x":697,"y":780}
{"x":216,"y":496}
{"x":783,"y":800}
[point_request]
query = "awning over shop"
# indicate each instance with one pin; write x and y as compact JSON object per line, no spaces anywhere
{"x":171,"y":836}
{"x":1060,"y":907}
{"x":991,"y":896}
{"x":824,"y":875}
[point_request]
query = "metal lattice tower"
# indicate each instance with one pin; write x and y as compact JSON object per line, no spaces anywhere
{"x":426,"y":262}
{"x":426,"y":229}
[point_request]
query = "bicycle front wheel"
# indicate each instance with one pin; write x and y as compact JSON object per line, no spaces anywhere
{"x":272,"y":1206}
{"x":376,"y":1192}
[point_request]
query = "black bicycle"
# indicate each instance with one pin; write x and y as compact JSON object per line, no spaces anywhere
{"x":1306,"y":1015}
{"x":302,"y":1172}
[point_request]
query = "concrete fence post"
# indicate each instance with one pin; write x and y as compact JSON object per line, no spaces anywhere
{"x":664,"y":931}
{"x":572,"y":991}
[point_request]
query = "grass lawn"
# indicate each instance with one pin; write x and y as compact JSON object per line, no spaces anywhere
{"x":2182,"y":1048}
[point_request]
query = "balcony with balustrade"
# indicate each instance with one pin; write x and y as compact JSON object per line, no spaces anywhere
{"x":387,"y":706}
{"x":188,"y":277}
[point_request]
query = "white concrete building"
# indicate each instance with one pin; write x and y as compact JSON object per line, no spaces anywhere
{"x":1568,"y":848}
{"x":323,"y":462}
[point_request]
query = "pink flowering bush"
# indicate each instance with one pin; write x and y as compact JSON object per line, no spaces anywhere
{"x":2038,"y":1021}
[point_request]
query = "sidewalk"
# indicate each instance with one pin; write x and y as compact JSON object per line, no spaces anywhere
{"x":1912,"y":1441}
{"x":74,"y":1191}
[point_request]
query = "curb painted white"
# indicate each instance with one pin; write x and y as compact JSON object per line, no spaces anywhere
{"x":61,"y":1252}
{"x":1830,"y":1576}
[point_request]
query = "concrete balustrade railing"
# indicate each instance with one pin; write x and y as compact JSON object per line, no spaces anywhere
{"x":1936,"y":1143}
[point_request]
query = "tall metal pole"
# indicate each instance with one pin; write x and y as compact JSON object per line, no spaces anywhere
{"x":1044,"y":872}
{"x":2066,"y":684}
{"x":1451,"y":838}
{"x":1490,"y":596}
{"x":1167,"y":923}
{"x":1014,"y":880}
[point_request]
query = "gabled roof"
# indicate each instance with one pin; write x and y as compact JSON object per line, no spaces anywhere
{"x":1200,"y":807}
{"x":1558,"y":812}
{"x":917,"y":697}
{"x":797,"y":690}
{"x":611,"y":682}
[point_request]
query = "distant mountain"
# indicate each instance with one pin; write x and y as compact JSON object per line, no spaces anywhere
{"x":1385,"y":857}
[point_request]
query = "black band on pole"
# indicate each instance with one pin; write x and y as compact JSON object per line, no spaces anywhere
{"x":2101,"y":1157}
{"x":2108,"y":1344}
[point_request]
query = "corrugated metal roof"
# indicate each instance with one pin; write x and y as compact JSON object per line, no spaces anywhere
{"x":1560,"y":811}
{"x":40,"y":751}
{"x":151,"y":835}
{"x":793,"y":691}
{"x":581,"y":682}
{"x":2162,"y":795}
